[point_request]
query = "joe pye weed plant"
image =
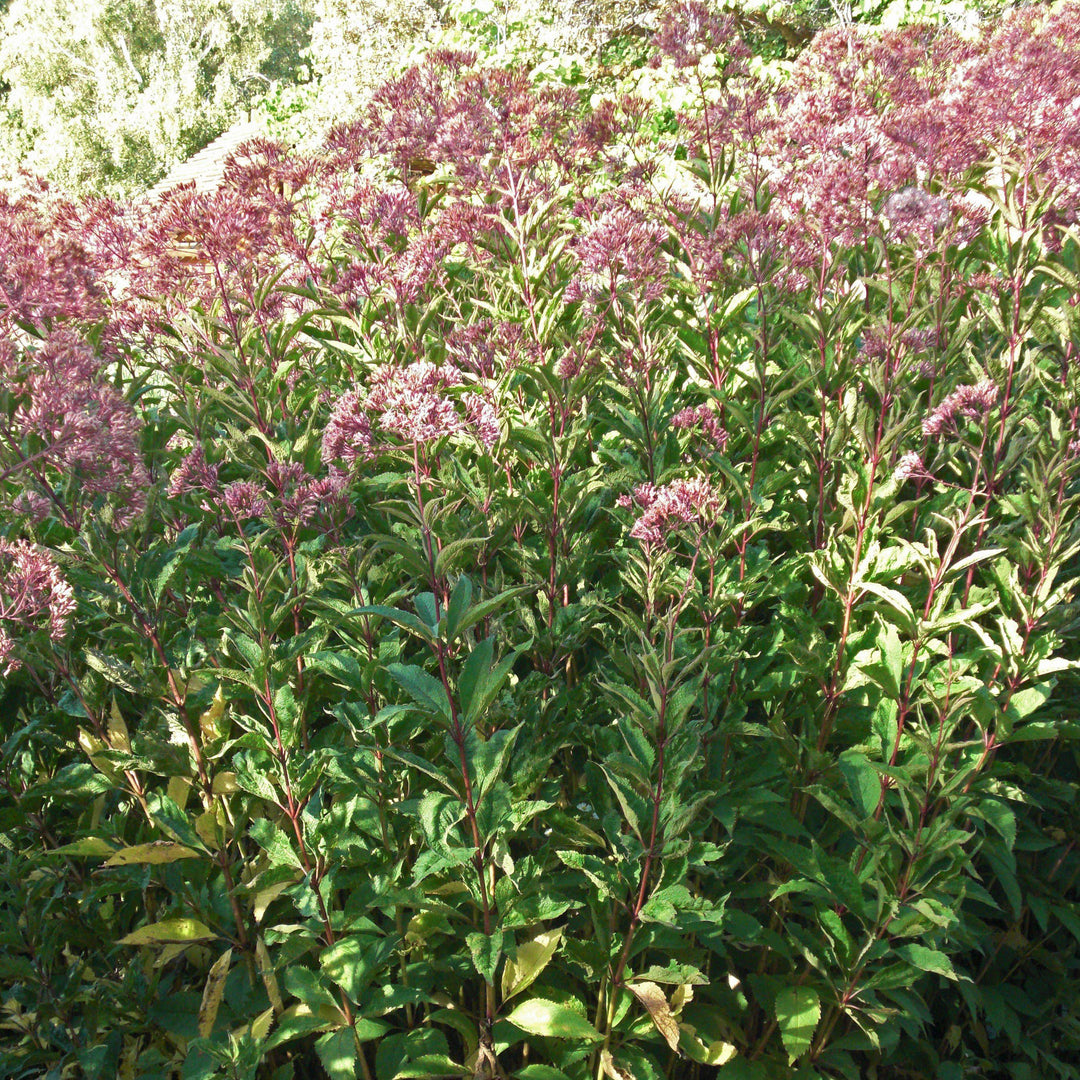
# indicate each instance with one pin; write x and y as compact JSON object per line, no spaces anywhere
{"x":472,"y":605}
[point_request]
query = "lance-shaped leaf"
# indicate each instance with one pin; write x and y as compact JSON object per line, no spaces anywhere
{"x":655,"y":1000}
{"x":168,"y":932}
{"x":427,"y":691}
{"x":212,"y":992}
{"x":530,"y":959}
{"x":156,"y":853}
{"x":539,"y":1016}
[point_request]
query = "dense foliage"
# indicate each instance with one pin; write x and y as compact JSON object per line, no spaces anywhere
{"x":546,"y":589}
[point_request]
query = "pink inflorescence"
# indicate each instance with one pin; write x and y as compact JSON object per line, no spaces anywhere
{"x":91,"y":434}
{"x":705,"y":421}
{"x":33,"y":595}
{"x":910,"y":467}
{"x":410,"y":403}
{"x":913,"y":212}
{"x":970,"y":402}
{"x":667,"y":508}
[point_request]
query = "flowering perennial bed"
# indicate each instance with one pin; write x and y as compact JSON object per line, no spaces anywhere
{"x":516,"y":594}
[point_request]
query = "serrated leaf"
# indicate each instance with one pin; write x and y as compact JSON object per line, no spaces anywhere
{"x":116,"y":671}
{"x":427,"y":691}
{"x":530,"y":958}
{"x":863,"y":782}
{"x":212,"y":992}
{"x":265,"y":967}
{"x":117,"y":729}
{"x":798,"y":1010}
{"x":337,"y":1052}
{"x":925,"y":959}
{"x":538,"y":1016}
{"x":210,"y":720}
{"x":486,"y":950}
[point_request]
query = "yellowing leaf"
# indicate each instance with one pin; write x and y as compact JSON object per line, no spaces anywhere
{"x":170,"y":953}
{"x":266,"y":973}
{"x":210,"y":721}
{"x":680,"y":996}
{"x":212,"y":992}
{"x":117,"y":729}
{"x":156,"y":853}
{"x":716,"y":1052}
{"x":653,"y":998}
{"x":93,"y":746}
{"x":208,"y":825}
{"x":542,"y":1017}
{"x":178,"y":790}
{"x":169,"y":931}
{"x":260,"y":1026}
{"x":532,"y":957}
{"x":265,"y":897}
{"x":609,"y":1068}
{"x":225,"y":784}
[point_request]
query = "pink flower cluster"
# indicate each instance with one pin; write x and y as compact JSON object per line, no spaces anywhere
{"x":622,"y":248}
{"x":87,"y":433}
{"x":669,"y":508}
{"x":702,"y":419}
{"x":33,"y":595}
{"x":410,"y":403}
{"x":916,"y":214}
{"x":970,"y":402}
{"x":910,"y":467}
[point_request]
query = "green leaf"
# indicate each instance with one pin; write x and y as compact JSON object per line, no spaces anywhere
{"x":91,"y":845}
{"x":117,"y":672}
{"x":530,"y":958}
{"x":438,"y":815}
{"x":353,"y":962}
{"x":863,"y":782}
{"x":430,"y":1067}
{"x":486,"y":949}
{"x":170,"y":932}
{"x":798,"y":1010}
{"x":474,"y":670}
{"x":459,"y":604}
{"x":539,"y":1016}
{"x":156,"y":853}
{"x":490,"y":756}
{"x":427,"y":691}
{"x":919,"y":956}
{"x":337,"y":1052}
{"x":405,"y":619}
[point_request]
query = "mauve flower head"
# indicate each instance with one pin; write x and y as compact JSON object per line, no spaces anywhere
{"x":410,"y":403}
{"x":244,"y":499}
{"x":669,"y":508}
{"x":910,"y":467}
{"x":915,"y":213}
{"x":689,"y":31}
{"x":621,"y":251}
{"x":347,"y":436}
{"x":90,"y":434}
{"x":193,"y":473}
{"x":970,"y":402}
{"x":704,"y":422}
{"x":918,"y":341}
{"x":34,"y":595}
